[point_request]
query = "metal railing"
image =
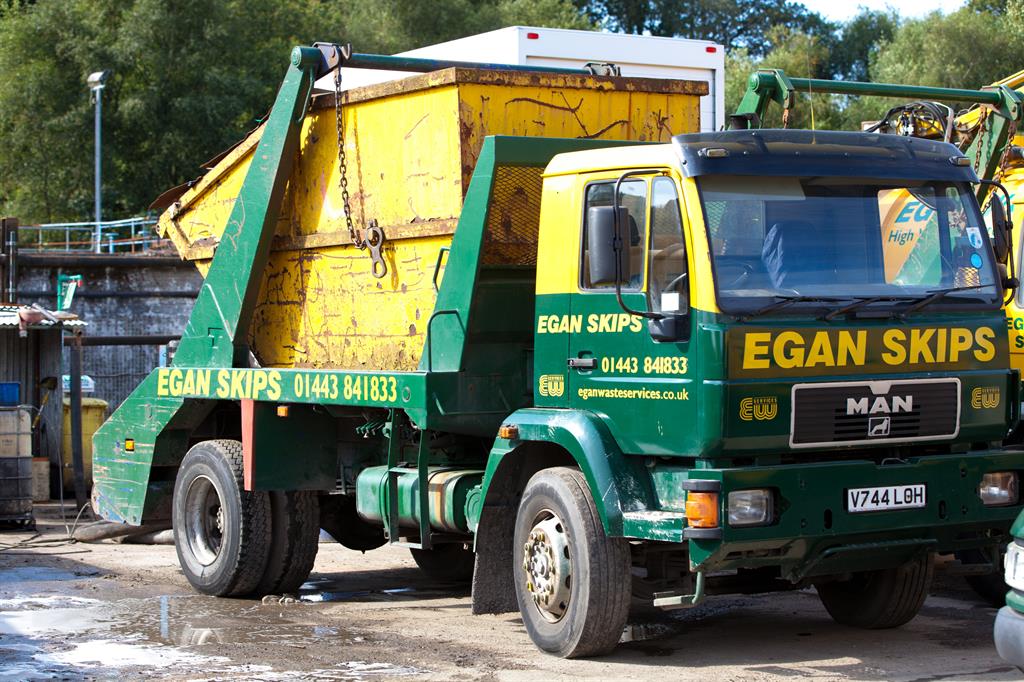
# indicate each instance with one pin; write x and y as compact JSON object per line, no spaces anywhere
{"x":132,"y":235}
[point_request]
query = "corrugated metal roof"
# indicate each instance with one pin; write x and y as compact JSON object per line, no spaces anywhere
{"x":9,"y":320}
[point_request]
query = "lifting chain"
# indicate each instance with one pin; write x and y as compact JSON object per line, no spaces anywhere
{"x":1005,"y":157}
{"x":374,"y":240}
{"x":978,"y":138}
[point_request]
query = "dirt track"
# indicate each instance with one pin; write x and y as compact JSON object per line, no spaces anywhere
{"x":111,"y":610}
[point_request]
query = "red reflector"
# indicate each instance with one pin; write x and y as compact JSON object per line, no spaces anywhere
{"x":711,"y":48}
{"x":532,"y":36}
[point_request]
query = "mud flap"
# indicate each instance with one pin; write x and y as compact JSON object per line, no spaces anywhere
{"x":493,"y":587}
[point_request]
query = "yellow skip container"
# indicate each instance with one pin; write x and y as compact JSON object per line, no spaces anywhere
{"x":411,"y":147}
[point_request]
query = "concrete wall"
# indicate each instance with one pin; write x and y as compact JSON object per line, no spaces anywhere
{"x":121,"y":296}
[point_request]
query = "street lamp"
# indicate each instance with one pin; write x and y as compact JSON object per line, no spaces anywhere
{"x":96,"y":82}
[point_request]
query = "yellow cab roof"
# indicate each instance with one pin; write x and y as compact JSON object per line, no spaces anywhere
{"x":610,"y":158}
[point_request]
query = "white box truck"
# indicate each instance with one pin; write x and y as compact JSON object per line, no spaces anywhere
{"x":644,"y":56}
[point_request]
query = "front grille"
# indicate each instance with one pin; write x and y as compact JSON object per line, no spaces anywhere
{"x":875,"y":412}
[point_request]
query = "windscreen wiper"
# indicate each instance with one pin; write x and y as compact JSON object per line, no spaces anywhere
{"x":939,"y":294}
{"x":860,"y":303}
{"x":785,"y":301}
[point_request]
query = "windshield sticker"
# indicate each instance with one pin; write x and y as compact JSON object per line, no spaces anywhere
{"x":908,"y":237}
{"x":975,"y":260}
{"x":974,"y":237}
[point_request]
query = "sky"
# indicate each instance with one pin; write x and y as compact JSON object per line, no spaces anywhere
{"x":839,"y":10}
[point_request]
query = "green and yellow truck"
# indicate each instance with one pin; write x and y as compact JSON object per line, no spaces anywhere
{"x":531,"y":326}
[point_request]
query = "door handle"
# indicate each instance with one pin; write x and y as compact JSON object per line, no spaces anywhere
{"x":582,"y":363}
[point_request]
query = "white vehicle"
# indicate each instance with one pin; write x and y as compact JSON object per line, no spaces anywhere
{"x":642,"y":56}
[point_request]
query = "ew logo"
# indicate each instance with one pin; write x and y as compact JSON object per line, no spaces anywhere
{"x":763,"y":409}
{"x":986,"y":397}
{"x":552,"y":385}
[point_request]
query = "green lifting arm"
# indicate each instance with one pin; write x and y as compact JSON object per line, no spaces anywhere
{"x":217,"y":330}
{"x":985,"y":148}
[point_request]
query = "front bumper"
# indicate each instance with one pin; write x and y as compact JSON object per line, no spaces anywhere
{"x":814,"y":534}
{"x":1009,"y":635}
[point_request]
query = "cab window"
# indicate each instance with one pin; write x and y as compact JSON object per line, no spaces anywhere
{"x":632,"y":196}
{"x":667,"y":258}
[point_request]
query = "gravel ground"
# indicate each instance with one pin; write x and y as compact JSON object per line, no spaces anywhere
{"x":105,"y":611}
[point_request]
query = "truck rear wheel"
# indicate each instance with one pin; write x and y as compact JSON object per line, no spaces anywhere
{"x":294,"y":541}
{"x":450,"y":563}
{"x":880,"y":599}
{"x":992,"y":587}
{"x":221,"y":532}
{"x":572,"y":581}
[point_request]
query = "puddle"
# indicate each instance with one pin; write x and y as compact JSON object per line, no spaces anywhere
{"x":56,"y":601}
{"x":115,"y":654}
{"x":22,"y":575}
{"x":47,"y":636}
{"x":327,"y":596}
{"x":331,"y":589}
{"x":641,"y":632}
{"x":351,"y":670}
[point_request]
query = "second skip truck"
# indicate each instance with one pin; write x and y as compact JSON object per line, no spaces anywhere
{"x":652,"y":372}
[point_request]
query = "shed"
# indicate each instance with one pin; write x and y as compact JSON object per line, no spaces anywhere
{"x":31,"y":351}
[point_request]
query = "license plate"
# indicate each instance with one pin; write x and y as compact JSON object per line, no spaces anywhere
{"x":1014,"y":565}
{"x":886,"y":498}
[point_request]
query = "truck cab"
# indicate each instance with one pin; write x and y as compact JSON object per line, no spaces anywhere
{"x":765,"y":273}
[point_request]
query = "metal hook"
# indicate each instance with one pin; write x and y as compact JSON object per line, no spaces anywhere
{"x":374,"y":239}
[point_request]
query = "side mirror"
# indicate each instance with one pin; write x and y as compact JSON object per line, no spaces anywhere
{"x":671,"y":327}
{"x":1001,"y":229}
{"x":601,"y":243}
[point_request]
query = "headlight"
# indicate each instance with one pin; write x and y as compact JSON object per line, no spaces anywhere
{"x":999,"y":488}
{"x":750,"y":507}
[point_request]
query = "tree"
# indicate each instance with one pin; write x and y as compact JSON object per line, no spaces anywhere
{"x":964,"y":49}
{"x":858,"y":41}
{"x":186,"y":83}
{"x":398,"y":26}
{"x":733,"y":23}
{"x":799,"y":55}
{"x":190,"y":78}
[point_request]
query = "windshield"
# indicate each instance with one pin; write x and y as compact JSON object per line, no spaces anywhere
{"x":830,"y":241}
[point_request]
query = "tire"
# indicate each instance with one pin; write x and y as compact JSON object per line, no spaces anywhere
{"x":222,"y":532}
{"x":992,"y":588}
{"x":585,"y":611}
{"x":449,"y":563}
{"x":294,"y":541}
{"x":877,"y":600}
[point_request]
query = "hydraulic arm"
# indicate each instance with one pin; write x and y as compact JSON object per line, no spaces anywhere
{"x":1000,"y":106}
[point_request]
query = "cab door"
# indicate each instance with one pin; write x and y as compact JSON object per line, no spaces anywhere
{"x":640,"y":387}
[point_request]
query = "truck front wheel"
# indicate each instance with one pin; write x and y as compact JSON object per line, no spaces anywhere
{"x":221,"y":532}
{"x":572,"y":581}
{"x":992,"y":586}
{"x":880,"y":599}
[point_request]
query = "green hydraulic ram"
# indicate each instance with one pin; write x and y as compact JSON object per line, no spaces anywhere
{"x":985,"y":149}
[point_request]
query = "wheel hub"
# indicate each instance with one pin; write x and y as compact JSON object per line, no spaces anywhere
{"x":548,"y":566}
{"x":204,"y":520}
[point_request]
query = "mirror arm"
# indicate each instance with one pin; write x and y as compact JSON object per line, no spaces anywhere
{"x":617,"y":245}
{"x":1013,"y":282}
{"x":1009,"y":206}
